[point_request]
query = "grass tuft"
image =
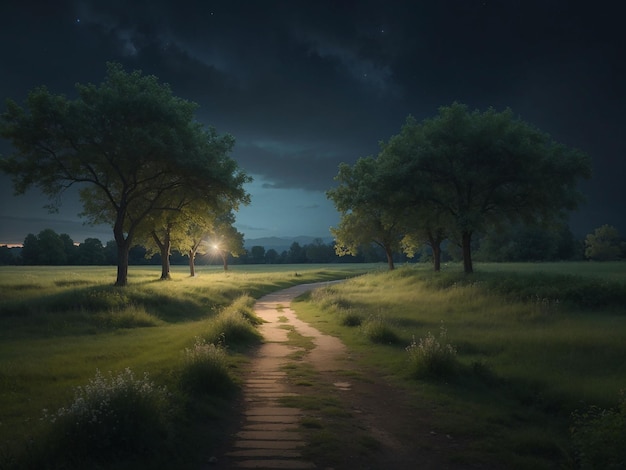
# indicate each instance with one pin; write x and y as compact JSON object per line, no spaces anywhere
{"x":432,"y":357}
{"x":351,"y":318}
{"x":205,"y":369}
{"x":598,"y":436}
{"x":377,"y":330}
{"x":235,"y":324}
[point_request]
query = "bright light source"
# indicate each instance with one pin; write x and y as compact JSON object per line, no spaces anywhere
{"x":216,"y":246}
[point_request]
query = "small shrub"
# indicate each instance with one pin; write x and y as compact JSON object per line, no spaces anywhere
{"x":232,"y":327}
{"x":350,"y":318}
{"x":111,"y":418}
{"x":376,"y":329}
{"x":205,"y":369}
{"x":598,"y":436}
{"x":432,"y":357}
{"x":235,"y":324}
{"x":329,"y":298}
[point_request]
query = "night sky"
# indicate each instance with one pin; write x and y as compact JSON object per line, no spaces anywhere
{"x":306,"y":85}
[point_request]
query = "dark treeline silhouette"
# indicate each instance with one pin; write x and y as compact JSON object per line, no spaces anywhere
{"x":51,"y":249}
{"x":518,"y":244}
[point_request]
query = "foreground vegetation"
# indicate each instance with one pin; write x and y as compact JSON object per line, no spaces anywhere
{"x":136,"y":377}
{"x":521,"y":362}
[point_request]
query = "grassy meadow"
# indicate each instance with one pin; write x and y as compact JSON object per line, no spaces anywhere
{"x":61,"y":327}
{"x":501,"y":358}
{"x":508,"y":360}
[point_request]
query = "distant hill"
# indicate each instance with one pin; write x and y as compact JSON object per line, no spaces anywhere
{"x":281,"y":244}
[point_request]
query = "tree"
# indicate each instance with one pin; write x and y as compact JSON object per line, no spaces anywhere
{"x":129,"y":144}
{"x":156,"y":235}
{"x":319,"y":252}
{"x":110,"y":252}
{"x":214,"y":231}
{"x":6,"y":256}
{"x":51,"y":248}
{"x":527,"y":243}
{"x":257,"y":254}
{"x":69,"y":247}
{"x":271,"y":256}
{"x":416,"y":239}
{"x":604,"y":244}
{"x":91,"y":252}
{"x":30,"y":250}
{"x":485,"y":168}
{"x":368,"y":212}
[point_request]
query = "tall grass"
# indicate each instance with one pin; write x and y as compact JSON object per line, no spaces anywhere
{"x":111,"y":418}
{"x":206,"y":369}
{"x":431,"y":356}
{"x":531,"y":346}
{"x":234,"y":324}
{"x":59,"y":325}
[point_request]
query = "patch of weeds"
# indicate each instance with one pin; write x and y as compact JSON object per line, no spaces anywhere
{"x":311,"y":402}
{"x":234,"y":324}
{"x":432,"y":357}
{"x":377,"y":330}
{"x":303,"y":383}
{"x":311,"y":422}
{"x":111,"y":419}
{"x":598,"y":436}
{"x":350,"y":318}
{"x":245,"y":306}
{"x":205,"y":369}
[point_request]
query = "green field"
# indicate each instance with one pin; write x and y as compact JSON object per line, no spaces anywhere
{"x":534,"y":342}
{"x":58,"y":326}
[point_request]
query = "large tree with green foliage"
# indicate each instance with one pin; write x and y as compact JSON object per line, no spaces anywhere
{"x":128,"y":143}
{"x":369,"y":213}
{"x":480,"y":169}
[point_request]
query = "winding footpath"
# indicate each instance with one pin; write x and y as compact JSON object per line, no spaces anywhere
{"x":269,"y":436}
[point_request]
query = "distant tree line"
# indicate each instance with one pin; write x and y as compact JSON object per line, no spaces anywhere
{"x":516,"y":244}
{"x":51,"y":249}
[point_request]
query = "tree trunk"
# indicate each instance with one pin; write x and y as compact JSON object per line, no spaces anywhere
{"x":122,"y":264}
{"x":224,"y":260}
{"x":389,"y":254}
{"x":165,"y":262}
{"x":436,"y":257}
{"x":123,"y":247}
{"x":164,"y":247}
{"x":192,"y":263}
{"x":467,"y":252}
{"x":435,"y":245}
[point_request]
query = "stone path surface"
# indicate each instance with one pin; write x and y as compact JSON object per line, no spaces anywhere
{"x":269,"y":437}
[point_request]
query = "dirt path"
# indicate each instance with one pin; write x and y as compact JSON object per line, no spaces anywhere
{"x":378,"y":428}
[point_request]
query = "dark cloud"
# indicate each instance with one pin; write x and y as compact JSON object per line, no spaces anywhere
{"x":304,"y":86}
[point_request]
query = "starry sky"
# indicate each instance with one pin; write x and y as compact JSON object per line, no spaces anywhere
{"x":304,"y":85}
